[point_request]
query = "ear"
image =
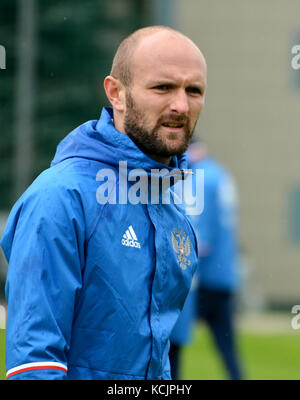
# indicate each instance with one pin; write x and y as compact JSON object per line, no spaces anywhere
{"x":115,"y":92}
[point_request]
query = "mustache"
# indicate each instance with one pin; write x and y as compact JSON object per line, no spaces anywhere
{"x":183,"y":119}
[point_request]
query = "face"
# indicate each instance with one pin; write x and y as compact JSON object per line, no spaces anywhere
{"x":166,"y":96}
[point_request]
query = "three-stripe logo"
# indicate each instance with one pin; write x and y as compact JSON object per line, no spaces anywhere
{"x":130,"y":239}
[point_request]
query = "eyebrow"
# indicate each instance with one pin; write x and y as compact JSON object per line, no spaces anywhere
{"x":172,"y":83}
{"x":196,"y":85}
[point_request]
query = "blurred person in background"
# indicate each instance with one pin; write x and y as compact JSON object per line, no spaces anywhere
{"x":93,"y":289}
{"x":218,"y":270}
{"x":182,"y":334}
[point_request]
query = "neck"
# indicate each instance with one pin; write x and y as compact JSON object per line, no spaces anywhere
{"x":160,"y":159}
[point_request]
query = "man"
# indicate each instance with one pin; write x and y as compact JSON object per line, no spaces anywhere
{"x":94,"y":287}
{"x":217,"y":273}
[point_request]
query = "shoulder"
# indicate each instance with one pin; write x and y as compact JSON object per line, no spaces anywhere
{"x":74,"y":175}
{"x":66,"y":190}
{"x":215,"y":172}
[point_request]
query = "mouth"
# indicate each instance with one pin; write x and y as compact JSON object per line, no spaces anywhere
{"x":173,"y":125}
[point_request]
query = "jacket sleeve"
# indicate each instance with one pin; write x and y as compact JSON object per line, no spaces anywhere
{"x":44,"y":245}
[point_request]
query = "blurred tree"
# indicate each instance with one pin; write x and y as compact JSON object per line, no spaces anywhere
{"x":76,"y":41}
{"x":8,"y":40}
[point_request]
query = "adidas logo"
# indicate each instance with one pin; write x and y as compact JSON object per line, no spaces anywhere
{"x":129,"y":238}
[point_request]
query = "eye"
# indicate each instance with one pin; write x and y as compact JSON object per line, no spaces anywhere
{"x":163,"y":88}
{"x":194,"y":90}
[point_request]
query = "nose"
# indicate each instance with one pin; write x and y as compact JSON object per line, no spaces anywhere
{"x":179,"y":103}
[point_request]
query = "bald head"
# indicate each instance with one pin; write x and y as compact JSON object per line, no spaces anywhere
{"x":156,"y":88}
{"x":123,"y":62}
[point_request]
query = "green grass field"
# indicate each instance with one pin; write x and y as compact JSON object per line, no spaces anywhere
{"x":2,"y":355}
{"x":271,"y":356}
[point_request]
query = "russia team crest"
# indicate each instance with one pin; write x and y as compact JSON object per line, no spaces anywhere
{"x":182,"y":246}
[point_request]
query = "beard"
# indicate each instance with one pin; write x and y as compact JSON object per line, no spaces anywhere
{"x":150,"y":141}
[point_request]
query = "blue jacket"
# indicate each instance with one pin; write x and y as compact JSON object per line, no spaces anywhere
{"x":217,"y":228}
{"x":182,"y":333}
{"x":94,"y":289}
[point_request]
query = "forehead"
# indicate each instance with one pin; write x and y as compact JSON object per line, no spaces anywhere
{"x":168,"y":56}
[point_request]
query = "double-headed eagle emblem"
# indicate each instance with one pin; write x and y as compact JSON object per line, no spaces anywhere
{"x":182,"y":246}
